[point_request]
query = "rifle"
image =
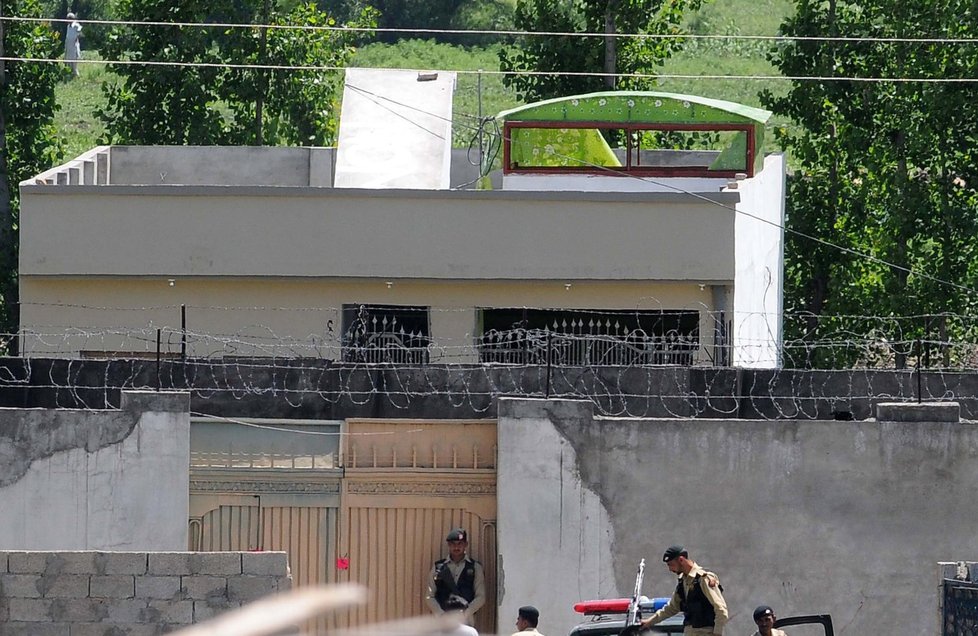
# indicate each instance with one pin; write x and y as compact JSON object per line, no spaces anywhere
{"x":634,"y":616}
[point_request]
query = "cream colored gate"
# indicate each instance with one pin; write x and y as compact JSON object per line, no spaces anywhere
{"x":377,"y":515}
{"x":406,"y":484}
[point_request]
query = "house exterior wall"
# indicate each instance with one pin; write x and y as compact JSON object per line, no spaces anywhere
{"x":758,"y":297}
{"x":81,"y":480}
{"x":844,"y":518}
{"x":135,"y":306}
{"x":312,"y":232}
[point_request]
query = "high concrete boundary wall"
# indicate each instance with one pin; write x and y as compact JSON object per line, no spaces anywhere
{"x":314,"y":388}
{"x":844,"y":518}
{"x":107,"y":480}
{"x":129,"y":593}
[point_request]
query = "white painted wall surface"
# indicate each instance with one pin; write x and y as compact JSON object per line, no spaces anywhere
{"x":132,"y":495}
{"x":553,"y":533}
{"x":395,"y":131}
{"x":759,"y":267}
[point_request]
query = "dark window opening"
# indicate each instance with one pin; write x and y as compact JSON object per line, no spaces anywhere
{"x":386,"y":333}
{"x":588,"y":337}
{"x":702,"y":150}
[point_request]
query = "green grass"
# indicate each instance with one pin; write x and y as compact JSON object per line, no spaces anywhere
{"x":78,"y":98}
{"x":78,"y":127}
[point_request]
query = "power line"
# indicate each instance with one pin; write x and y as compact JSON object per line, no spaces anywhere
{"x":639,"y":76}
{"x":515,"y":33}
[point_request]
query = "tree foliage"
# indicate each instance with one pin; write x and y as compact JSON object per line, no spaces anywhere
{"x":608,"y":55}
{"x":887,"y":168}
{"x":27,"y":137}
{"x":216,"y":91}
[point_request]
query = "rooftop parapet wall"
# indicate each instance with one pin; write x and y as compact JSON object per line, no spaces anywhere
{"x":89,"y":593}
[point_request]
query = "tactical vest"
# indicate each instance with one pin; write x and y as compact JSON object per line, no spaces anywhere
{"x":445,"y":584}
{"x":697,"y":608}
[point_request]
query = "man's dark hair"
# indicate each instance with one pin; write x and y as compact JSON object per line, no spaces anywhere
{"x":530,"y":614}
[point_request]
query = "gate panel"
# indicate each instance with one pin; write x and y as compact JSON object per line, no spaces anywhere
{"x":407,"y":483}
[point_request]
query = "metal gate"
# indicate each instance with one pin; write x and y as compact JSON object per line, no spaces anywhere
{"x":960,"y":616}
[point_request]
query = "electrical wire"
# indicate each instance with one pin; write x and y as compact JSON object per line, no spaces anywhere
{"x":512,"y":33}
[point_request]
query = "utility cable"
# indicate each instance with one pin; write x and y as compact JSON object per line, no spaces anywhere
{"x":513,"y":33}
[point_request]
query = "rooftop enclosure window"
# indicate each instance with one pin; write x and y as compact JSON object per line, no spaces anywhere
{"x":588,"y":337}
{"x":665,"y":150}
{"x":386,"y":333}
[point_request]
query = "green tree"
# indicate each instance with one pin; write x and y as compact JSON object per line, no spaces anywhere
{"x":611,"y":56}
{"x":214,"y":93}
{"x":887,"y":168}
{"x":27,"y":137}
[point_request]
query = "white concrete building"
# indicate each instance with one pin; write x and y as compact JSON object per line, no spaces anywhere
{"x":380,"y":250}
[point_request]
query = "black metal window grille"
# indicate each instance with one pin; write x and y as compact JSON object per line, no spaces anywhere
{"x":386,"y":333}
{"x":588,"y":337}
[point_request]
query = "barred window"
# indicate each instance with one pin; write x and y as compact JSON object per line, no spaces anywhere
{"x":386,"y":333}
{"x":588,"y":337}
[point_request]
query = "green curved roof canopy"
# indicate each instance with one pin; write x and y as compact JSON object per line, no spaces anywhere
{"x":581,"y":145}
{"x":638,"y":107}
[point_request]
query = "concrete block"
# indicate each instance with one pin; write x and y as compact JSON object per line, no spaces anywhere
{"x":203,"y":587}
{"x":20,"y":585}
{"x":283,"y":583}
{"x":120,"y":562}
{"x":205,"y":610}
{"x":220,"y":563}
{"x":114,"y":629}
{"x":26,"y":562}
{"x":3,"y":562}
{"x":13,"y":628}
{"x":29,"y":610}
{"x":171,"y":611}
{"x":64,"y":586}
{"x":168,"y":563}
{"x":84,"y":610}
{"x":918,"y":412}
{"x":126,"y":611}
{"x":248,"y":588}
{"x":268,"y":563}
{"x":70,"y":562}
{"x":114,"y":586}
{"x":157,"y":587}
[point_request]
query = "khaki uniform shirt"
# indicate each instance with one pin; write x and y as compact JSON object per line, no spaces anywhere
{"x":710,"y":585}
{"x":456,"y":569}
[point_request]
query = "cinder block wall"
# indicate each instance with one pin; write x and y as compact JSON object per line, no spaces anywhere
{"x":134,"y":593}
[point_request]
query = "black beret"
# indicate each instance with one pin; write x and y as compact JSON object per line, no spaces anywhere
{"x":674,"y":551}
{"x":763,"y":610}
{"x":529,"y":613}
{"x":458,"y":534}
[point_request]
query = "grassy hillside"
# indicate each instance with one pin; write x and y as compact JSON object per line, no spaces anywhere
{"x":79,"y":98}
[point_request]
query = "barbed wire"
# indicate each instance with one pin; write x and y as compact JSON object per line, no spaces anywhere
{"x":509,"y":33}
{"x":326,"y":389}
